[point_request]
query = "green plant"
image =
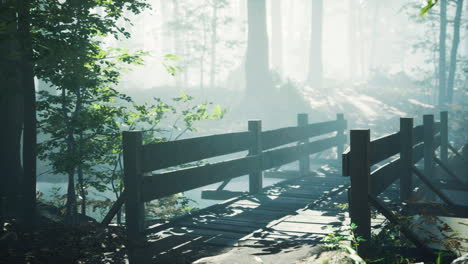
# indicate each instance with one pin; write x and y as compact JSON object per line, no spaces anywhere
{"x":335,"y":239}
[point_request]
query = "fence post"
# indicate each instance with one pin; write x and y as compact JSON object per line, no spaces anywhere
{"x":428,"y":123}
{"x":406,"y":157}
{"x":256,"y":178}
{"x":134,"y":207}
{"x":340,"y":145}
{"x":444,"y":136}
{"x":359,"y":170}
{"x":304,"y":162}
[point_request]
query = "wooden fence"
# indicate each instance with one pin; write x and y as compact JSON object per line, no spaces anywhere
{"x":412,"y":144}
{"x":266,"y":150}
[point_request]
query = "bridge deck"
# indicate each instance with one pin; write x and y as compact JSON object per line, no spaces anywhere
{"x":288,"y":214}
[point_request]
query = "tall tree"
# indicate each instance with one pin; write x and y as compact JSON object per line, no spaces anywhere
{"x":315,"y":52}
{"x":442,"y":58}
{"x":214,"y":40}
{"x":257,"y":73}
{"x":276,"y":36}
{"x":28,"y":184}
{"x":453,"y":52}
{"x":11,"y":107}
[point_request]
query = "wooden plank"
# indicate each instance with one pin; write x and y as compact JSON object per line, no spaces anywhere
{"x":418,"y":153}
{"x":220,"y":194}
{"x":256,"y":176}
{"x":164,"y":184}
{"x":341,"y":133}
{"x":278,"y":157}
{"x":429,"y":184}
{"x":384,"y":147}
{"x":384,"y":176}
{"x":345,"y":162}
{"x":166,"y":154}
{"x":437,"y":141}
{"x":428,"y":121}
{"x":437,"y":127}
{"x":448,"y":171}
{"x":397,"y":222}
{"x":114,"y":209}
{"x":134,"y":207}
{"x":418,"y":134}
{"x":444,"y":136}
{"x":436,"y":209}
{"x":287,"y":135}
{"x":360,"y":173}
{"x":304,"y":162}
{"x":406,"y":158}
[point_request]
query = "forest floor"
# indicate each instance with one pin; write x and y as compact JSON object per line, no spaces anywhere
{"x":55,"y":242}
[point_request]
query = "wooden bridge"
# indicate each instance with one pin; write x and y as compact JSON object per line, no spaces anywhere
{"x":290,"y":214}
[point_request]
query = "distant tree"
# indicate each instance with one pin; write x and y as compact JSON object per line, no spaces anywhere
{"x":442,"y":58}
{"x":314,"y":76}
{"x":453,"y":53}
{"x":276,"y":36}
{"x":257,"y":73}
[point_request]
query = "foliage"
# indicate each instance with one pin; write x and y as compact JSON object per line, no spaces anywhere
{"x":335,"y":239}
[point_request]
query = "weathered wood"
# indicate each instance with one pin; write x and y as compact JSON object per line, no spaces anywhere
{"x":166,"y":154}
{"x":431,"y":186}
{"x":437,"y":127}
{"x":304,"y":162}
{"x":256,"y":176}
{"x":360,"y":171}
{"x":384,"y":176}
{"x":406,"y":157}
{"x":418,"y":153}
{"x":341,"y":133}
{"x":448,"y":170}
{"x":437,"y":141}
{"x":444,"y":136}
{"x":454,"y":151}
{"x":287,"y":135}
{"x":418,"y":134}
{"x":114,"y":210}
{"x":164,"y":184}
{"x":404,"y":228}
{"x":134,"y":206}
{"x":436,"y":209}
{"x":428,"y":121}
{"x":220,"y":194}
{"x":384,"y":147}
{"x":277,"y":157}
{"x":345,"y":159}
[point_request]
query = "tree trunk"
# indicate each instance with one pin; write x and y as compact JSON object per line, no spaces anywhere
{"x":276,"y":36}
{"x":442,"y":67}
{"x":352,"y":48}
{"x":453,"y":52}
{"x":11,"y":107}
{"x":28,"y":194}
{"x":214,"y":40}
{"x":71,"y":214}
{"x":315,"y":51}
{"x":257,"y":74}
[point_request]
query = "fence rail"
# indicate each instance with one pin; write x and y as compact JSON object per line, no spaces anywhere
{"x":266,"y":150}
{"x":412,"y":144}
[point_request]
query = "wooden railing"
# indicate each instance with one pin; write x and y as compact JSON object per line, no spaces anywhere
{"x":412,"y":144}
{"x":266,"y":150}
